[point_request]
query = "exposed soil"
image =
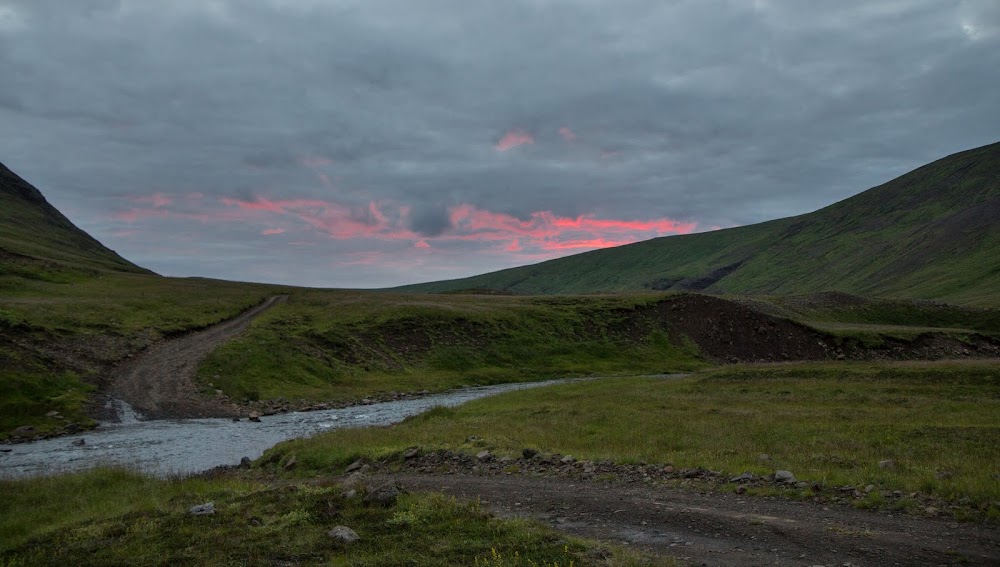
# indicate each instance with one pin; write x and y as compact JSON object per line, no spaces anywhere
{"x":730,"y":331}
{"x":721,"y":529}
{"x":159,"y":383}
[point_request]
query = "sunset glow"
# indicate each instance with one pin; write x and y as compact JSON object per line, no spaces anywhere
{"x":513,"y":139}
{"x":540,"y":234}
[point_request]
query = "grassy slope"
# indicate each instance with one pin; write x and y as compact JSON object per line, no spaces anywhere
{"x":828,"y":423}
{"x":37,"y":241}
{"x":931,"y":233}
{"x":333,"y":345}
{"x":112,"y":517}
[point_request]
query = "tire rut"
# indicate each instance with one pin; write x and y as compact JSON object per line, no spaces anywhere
{"x":723,"y":529}
{"x":159,"y":383}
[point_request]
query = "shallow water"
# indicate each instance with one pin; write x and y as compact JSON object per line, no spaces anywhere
{"x":184,"y":446}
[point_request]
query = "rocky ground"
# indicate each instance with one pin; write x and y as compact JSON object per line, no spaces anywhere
{"x":701,"y":517}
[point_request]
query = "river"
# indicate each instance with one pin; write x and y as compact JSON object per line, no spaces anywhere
{"x":185,"y":446}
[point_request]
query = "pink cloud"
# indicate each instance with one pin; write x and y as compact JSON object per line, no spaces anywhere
{"x":379,"y":219}
{"x":567,"y":134}
{"x":513,"y":139}
{"x":536,"y":235}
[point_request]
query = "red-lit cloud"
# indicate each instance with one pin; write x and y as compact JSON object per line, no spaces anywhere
{"x":544,"y":230}
{"x":513,"y":139}
{"x":538,"y":235}
{"x":567,"y":134}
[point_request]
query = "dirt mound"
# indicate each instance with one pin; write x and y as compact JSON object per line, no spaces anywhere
{"x":737,"y":331}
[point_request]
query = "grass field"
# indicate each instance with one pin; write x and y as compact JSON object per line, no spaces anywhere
{"x":114,"y":517}
{"x":827,"y":423}
{"x":347,"y":345}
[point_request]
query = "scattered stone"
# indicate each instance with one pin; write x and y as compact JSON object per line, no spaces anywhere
{"x":567,"y":460}
{"x":79,"y":442}
{"x":52,"y":414}
{"x":356,"y":465}
{"x":669,"y":469}
{"x":343,"y":534}
{"x":245,"y":462}
{"x":202,"y":509}
{"x":529,"y":453}
{"x":484,"y":456}
{"x":763,"y":457}
{"x":785,"y":477}
{"x":745,"y":477}
{"x":741,"y":490}
{"x":24,"y":430}
{"x":931,"y":511}
{"x":411,"y":453}
{"x":887,"y":464}
{"x":384,"y":496}
{"x":254,"y":416}
{"x":290,"y":463}
{"x":942,"y":475}
{"x":869,"y":488}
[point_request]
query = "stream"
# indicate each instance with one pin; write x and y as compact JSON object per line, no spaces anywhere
{"x":186,"y":446}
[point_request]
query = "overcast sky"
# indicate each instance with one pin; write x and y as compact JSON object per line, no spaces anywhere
{"x":364,"y":143}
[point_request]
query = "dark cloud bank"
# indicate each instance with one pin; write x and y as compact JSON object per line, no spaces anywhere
{"x":370,"y":143}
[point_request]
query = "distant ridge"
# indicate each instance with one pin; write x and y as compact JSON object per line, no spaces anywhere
{"x":932,"y":233}
{"x":38,"y":241}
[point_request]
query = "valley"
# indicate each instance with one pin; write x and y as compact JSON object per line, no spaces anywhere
{"x":876,"y":388}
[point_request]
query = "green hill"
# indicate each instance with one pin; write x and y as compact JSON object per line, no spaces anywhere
{"x":38,"y":242}
{"x":932,"y":233}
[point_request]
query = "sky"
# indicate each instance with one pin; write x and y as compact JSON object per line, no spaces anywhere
{"x":372,"y":143}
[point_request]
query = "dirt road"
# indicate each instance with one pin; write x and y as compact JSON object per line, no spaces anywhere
{"x":723,"y":529}
{"x":159,"y":383}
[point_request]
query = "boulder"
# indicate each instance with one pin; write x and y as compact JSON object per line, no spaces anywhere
{"x":384,"y":496}
{"x":745,"y":477}
{"x":343,"y":534}
{"x":887,"y":464}
{"x":529,"y":453}
{"x":245,"y":462}
{"x":254,"y":416}
{"x":785,"y":477}
{"x":355,"y":466}
{"x":411,"y":453}
{"x":484,"y":456}
{"x":205,"y":509}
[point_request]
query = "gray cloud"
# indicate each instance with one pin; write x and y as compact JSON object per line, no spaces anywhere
{"x":716,"y":112}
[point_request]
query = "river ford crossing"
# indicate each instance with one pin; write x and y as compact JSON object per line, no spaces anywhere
{"x":185,"y":446}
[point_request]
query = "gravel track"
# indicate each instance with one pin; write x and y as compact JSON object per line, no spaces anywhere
{"x":159,"y":383}
{"x":723,"y":529}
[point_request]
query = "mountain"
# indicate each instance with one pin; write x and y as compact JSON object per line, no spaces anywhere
{"x":933,"y":233}
{"x":37,"y":241}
